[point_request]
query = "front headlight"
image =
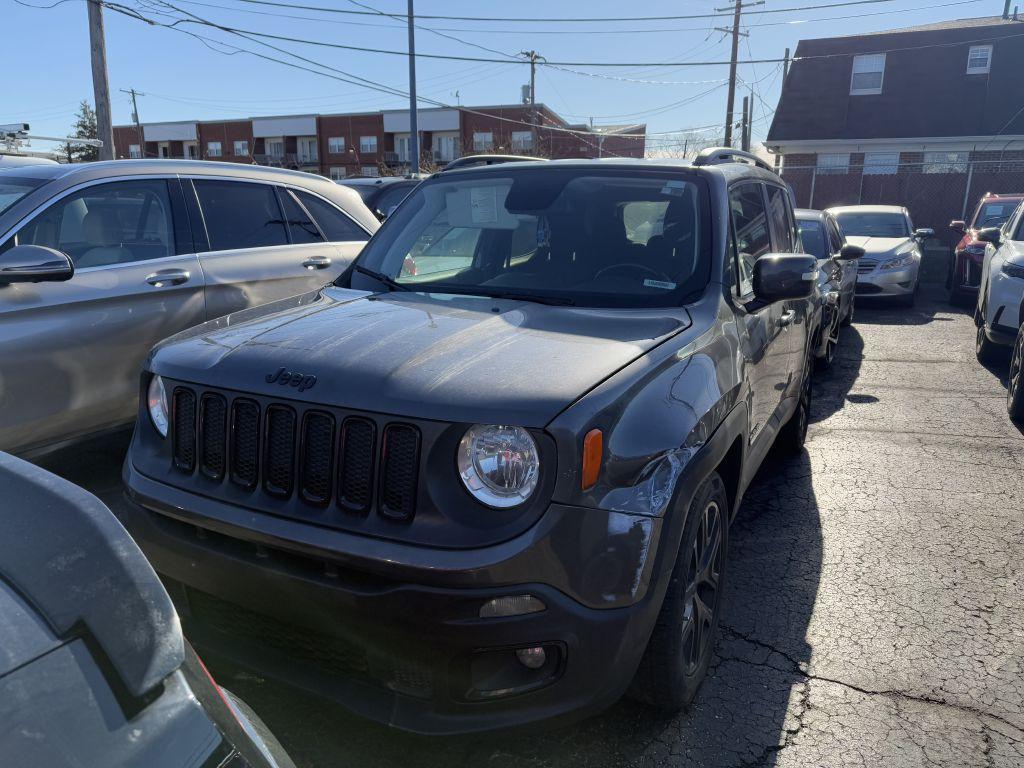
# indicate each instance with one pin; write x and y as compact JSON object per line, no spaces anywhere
{"x":499,"y":465}
{"x":899,"y":262}
{"x":1013,"y":270}
{"x":158,"y":405}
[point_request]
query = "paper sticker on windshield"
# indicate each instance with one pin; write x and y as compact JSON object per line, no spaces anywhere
{"x":648,"y":283}
{"x":543,"y":232}
{"x":483,"y":205}
{"x":674,"y":188}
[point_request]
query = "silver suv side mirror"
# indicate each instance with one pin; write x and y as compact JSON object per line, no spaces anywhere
{"x":34,"y":264}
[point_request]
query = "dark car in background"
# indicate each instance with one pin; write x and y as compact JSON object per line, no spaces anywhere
{"x":498,"y":490}
{"x":964,"y":279}
{"x":382,"y":194}
{"x":93,"y":667}
{"x":837,"y":277}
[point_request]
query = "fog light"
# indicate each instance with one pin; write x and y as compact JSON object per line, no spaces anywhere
{"x":511,"y":605}
{"x":532,"y":658}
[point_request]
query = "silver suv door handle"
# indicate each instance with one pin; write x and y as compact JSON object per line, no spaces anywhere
{"x":317,"y":262}
{"x":787,"y":318}
{"x":168,"y":277}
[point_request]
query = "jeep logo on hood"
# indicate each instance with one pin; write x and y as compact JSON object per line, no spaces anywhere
{"x":285,"y":377}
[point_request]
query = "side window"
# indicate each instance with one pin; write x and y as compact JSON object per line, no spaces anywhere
{"x":338,"y":227}
{"x":106,"y":224}
{"x":389,"y":199}
{"x":781,"y":218}
{"x":835,"y":240}
{"x":750,"y":225}
{"x":240,"y":214}
{"x":300,"y":227}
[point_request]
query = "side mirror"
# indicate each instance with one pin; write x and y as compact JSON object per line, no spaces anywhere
{"x":34,"y":264}
{"x":989,"y":235}
{"x":781,"y":276}
{"x":850,"y":252}
{"x":924,"y":233}
{"x":958,"y":225}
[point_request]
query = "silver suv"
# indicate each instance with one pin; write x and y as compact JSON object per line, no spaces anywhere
{"x":99,"y":261}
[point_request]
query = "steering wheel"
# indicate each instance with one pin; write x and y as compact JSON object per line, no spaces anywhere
{"x":661,"y":276}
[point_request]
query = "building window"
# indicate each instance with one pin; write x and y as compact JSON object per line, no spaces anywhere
{"x":337,"y":173}
{"x":979,"y":59}
{"x":369,"y":170}
{"x":881,"y":163}
{"x":241,"y":149}
{"x":834,"y":162}
{"x":868,"y":71}
{"x":945,"y":162}
{"x":522,"y":140}
{"x":213,"y":149}
{"x":134,"y":150}
{"x":483,"y":141}
{"x":368,"y":144}
{"x":336,"y":145}
{"x":275,"y":147}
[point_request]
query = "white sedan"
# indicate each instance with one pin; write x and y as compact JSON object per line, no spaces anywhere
{"x":1001,"y":296}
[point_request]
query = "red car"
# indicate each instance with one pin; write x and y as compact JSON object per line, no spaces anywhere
{"x":965,"y":270}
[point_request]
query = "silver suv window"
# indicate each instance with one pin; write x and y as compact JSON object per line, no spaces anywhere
{"x":240,"y":214}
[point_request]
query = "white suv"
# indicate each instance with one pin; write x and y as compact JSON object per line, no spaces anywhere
{"x":1001,"y":295}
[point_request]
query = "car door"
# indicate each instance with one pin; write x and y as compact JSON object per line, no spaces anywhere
{"x":338,"y":228}
{"x":762,"y":339}
{"x":260,"y":245}
{"x":846,"y":271}
{"x":73,"y":350}
{"x":795,"y":315}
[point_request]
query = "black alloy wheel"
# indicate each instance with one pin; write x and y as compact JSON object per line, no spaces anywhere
{"x":1014,"y":384}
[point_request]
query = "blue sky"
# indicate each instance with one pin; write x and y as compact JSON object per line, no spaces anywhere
{"x":184,"y":78}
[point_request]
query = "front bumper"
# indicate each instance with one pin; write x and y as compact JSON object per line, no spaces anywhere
{"x":1004,"y":308}
{"x":895,"y":282}
{"x":405,"y":645}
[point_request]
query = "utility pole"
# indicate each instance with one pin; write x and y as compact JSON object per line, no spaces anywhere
{"x":135,"y":117}
{"x":100,"y":86}
{"x":785,"y":64}
{"x":744,"y":142}
{"x":735,"y":32}
{"x":533,"y":56}
{"x":414,"y":129}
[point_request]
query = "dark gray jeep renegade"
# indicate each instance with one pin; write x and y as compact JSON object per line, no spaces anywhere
{"x":486,"y":477}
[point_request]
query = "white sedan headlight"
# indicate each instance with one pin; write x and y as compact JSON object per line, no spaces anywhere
{"x":158,"y":405}
{"x":499,"y":465}
{"x":905,"y":260}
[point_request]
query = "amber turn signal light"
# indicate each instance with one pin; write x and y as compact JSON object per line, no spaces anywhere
{"x":593,"y":448}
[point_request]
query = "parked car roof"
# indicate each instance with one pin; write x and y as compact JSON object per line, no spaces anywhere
{"x":808,"y":213}
{"x":867,"y":209}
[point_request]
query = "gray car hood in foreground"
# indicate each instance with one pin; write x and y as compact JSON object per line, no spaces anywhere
{"x":881,"y":246}
{"x":457,"y":358}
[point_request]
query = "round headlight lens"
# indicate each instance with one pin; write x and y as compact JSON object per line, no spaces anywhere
{"x":498,"y":464}
{"x":158,"y":405}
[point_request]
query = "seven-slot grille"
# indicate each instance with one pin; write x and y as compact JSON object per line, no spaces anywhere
{"x":287,"y":453}
{"x":866,"y":265}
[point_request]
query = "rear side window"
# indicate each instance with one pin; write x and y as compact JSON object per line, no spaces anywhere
{"x":240,"y":214}
{"x":781,"y":218}
{"x":107,"y":224}
{"x":813,"y":238}
{"x":338,"y":227}
{"x":390,"y":198}
{"x":750,"y":224}
{"x":300,"y":226}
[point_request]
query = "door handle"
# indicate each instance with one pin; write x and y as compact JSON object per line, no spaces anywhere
{"x":168,"y":277}
{"x":317,"y":262}
{"x":787,"y":318}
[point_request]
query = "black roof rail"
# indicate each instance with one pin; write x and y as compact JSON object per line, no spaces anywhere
{"x":469,"y":161}
{"x":718,"y":155}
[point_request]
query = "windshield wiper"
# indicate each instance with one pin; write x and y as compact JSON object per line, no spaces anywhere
{"x":380,"y":277}
{"x":556,"y":301}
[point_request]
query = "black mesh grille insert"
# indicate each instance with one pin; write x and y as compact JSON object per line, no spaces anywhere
{"x":355,"y":468}
{"x":213,"y":426}
{"x":317,"y":457}
{"x":279,"y":451}
{"x":400,"y":470}
{"x":245,"y":442}
{"x":184,"y":407}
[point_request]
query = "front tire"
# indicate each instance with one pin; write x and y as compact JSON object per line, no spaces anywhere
{"x":1015,"y":382}
{"x":794,"y":433}
{"x":848,"y":319}
{"x":986,"y":351}
{"x":679,"y":651}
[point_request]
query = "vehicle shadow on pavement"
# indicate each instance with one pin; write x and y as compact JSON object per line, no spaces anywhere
{"x":831,"y":388}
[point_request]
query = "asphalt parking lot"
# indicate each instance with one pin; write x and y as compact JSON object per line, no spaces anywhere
{"x":875,"y":606}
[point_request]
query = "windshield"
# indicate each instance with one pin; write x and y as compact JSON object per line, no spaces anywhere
{"x":812,"y":237}
{"x":13,"y":188}
{"x":873,"y":224}
{"x":596,"y":238}
{"x":994,"y":214}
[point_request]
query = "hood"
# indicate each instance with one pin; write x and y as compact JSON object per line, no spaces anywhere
{"x":879,"y":246}
{"x":455,"y":358}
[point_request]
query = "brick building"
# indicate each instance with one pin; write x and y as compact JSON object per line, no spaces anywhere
{"x":929,"y":117}
{"x":371,"y":143}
